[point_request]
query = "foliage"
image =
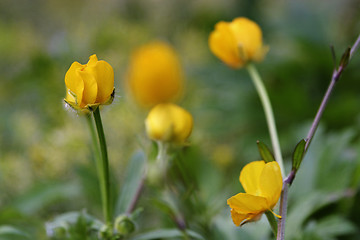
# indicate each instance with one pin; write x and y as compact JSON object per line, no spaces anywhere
{"x":47,"y":172}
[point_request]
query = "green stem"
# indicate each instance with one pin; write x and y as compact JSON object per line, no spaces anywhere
{"x":93,"y":137}
{"x":162,"y":157}
{"x":185,"y":235}
{"x":268,"y":114}
{"x":103,"y":168}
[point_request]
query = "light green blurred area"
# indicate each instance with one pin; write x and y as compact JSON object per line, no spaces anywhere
{"x":46,"y":163}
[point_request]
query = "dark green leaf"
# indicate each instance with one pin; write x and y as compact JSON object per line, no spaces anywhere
{"x":333,"y":56}
{"x":345,"y":58}
{"x":265,"y":153}
{"x":298,"y":155}
{"x":134,"y":175}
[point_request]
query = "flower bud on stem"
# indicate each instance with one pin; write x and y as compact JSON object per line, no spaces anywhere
{"x":102,"y":163}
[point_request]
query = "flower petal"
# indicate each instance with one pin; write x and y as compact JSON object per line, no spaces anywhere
{"x":70,"y":97}
{"x":104,"y":75}
{"x":73,"y":82}
{"x":271,"y":183}
{"x":182,"y":123}
{"x":238,"y":218}
{"x":248,"y":36}
{"x":222,"y":43}
{"x":92,"y":60}
{"x":246,"y":203}
{"x":155,"y":74}
{"x":169,"y":122}
{"x":159,"y":124}
{"x":90,"y":87}
{"x":250,"y":177}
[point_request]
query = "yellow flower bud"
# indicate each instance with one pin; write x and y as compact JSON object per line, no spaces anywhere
{"x":155,"y":75}
{"x":89,"y":85}
{"x":169,"y":123}
{"x":237,"y":42}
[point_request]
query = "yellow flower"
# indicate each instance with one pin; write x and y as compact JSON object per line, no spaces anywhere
{"x":223,"y":155}
{"x":262,"y":183}
{"x":155,"y":75}
{"x":237,"y":42}
{"x":89,"y":85}
{"x":169,"y":123}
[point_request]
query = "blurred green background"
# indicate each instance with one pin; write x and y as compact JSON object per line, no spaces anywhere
{"x":46,"y":164}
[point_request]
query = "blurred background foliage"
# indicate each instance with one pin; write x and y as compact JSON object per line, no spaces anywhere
{"x":46,"y":164}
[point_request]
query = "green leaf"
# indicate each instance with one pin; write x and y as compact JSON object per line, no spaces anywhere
{"x":305,"y":207}
{"x":73,"y":222}
{"x":6,"y":230}
{"x":272,"y":221}
{"x":265,"y":153}
{"x":41,"y":195}
{"x":134,"y":177}
{"x":298,"y":155}
{"x":164,"y":207}
{"x":167,"y":234}
{"x":335,"y":226}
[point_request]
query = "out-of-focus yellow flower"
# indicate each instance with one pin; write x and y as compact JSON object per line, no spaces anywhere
{"x":262,"y":183}
{"x":237,"y":42}
{"x":155,"y":74}
{"x":223,"y":155}
{"x":89,"y":85}
{"x":169,"y":123}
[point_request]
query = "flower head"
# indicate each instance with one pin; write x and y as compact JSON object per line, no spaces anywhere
{"x":155,"y":75}
{"x":169,"y":123}
{"x":262,"y":183}
{"x":237,"y":42}
{"x":89,"y":85}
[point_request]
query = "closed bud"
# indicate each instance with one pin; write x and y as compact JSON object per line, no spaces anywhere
{"x":169,"y":123}
{"x":89,"y":85}
{"x":124,"y":225}
{"x":105,"y":232}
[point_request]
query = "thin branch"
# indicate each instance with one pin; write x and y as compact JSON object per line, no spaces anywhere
{"x":283,"y":210}
{"x":355,"y":46}
{"x":334,"y":79}
{"x":284,"y":195}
